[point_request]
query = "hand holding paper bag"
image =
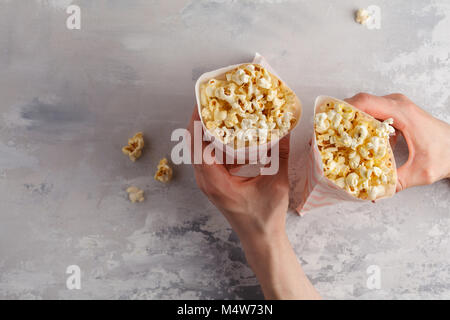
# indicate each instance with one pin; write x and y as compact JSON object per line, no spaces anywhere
{"x":256,"y":210}
{"x":428,"y":141}
{"x":350,"y":157}
{"x":428,"y":138}
{"x":246,"y":106}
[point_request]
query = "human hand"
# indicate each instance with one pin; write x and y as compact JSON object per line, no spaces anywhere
{"x":428,"y":138}
{"x":256,"y":209}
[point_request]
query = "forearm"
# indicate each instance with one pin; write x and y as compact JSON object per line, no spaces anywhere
{"x":277,"y":268}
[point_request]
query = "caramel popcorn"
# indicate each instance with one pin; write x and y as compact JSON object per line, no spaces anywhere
{"x":135,"y":194}
{"x":362,"y":16}
{"x":134,"y":147}
{"x":355,"y":150}
{"x":164,"y":172}
{"x":248,"y":106}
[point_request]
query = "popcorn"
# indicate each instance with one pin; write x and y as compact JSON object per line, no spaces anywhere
{"x":264,"y":83}
{"x":355,"y":150}
{"x":376,"y":191}
{"x":164,"y":172}
{"x":272,"y":94}
{"x":377,"y":171}
{"x":336,"y":120}
{"x":225,"y":133}
{"x":206,"y":114}
{"x":385,"y":129}
{"x":348,"y":113}
{"x":361,"y":133}
{"x":220,"y":115}
{"x":352,"y":180}
{"x":134,"y":147}
{"x":351,"y":183}
{"x":362,"y":16}
{"x":239,"y":77}
{"x":354,"y":160}
{"x":248,"y":106}
{"x":340,"y":182}
{"x":135,"y":194}
{"x":322,"y":122}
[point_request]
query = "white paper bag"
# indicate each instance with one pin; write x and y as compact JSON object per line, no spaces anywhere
{"x":250,"y":151}
{"x":319,"y":191}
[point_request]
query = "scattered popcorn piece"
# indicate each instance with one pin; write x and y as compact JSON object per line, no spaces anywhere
{"x":134,"y":147}
{"x":135,"y":194}
{"x":250,"y":106}
{"x":164,"y":172}
{"x":362,"y":16}
{"x":354,"y":150}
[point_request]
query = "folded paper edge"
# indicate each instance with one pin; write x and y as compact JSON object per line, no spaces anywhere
{"x":258,"y":59}
{"x":392,"y":188}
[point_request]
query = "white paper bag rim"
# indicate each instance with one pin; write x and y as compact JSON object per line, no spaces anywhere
{"x":231,"y":151}
{"x":318,"y":102}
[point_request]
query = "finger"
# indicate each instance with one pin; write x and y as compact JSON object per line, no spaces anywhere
{"x":402,"y":178}
{"x":284,"y":148}
{"x":233,"y":167}
{"x":195,"y":117}
{"x":383,"y":108}
{"x":195,"y":135}
{"x":379,"y":107}
{"x":214,"y":171}
{"x":393,"y":139}
{"x":408,"y":175}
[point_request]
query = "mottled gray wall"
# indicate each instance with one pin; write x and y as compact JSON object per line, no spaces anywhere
{"x":69,"y":99}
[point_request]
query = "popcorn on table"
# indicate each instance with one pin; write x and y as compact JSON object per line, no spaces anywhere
{"x":362,"y":16}
{"x":134,"y":147}
{"x":247,"y":107}
{"x":164,"y":172}
{"x":354,"y":150}
{"x":135,"y":194}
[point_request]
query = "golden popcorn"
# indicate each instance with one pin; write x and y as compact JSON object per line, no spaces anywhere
{"x":248,"y":105}
{"x":134,"y":147}
{"x":355,"y":150}
{"x":135,"y":194}
{"x":362,"y":16}
{"x":164,"y":172}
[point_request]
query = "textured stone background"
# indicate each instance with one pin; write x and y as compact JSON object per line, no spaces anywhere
{"x":69,"y":99}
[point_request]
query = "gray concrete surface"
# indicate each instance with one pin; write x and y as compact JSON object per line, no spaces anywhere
{"x":69,"y":99}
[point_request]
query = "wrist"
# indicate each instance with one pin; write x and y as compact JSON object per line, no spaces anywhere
{"x":263,"y":250}
{"x":257,"y":229}
{"x":257,"y":240}
{"x":273,"y":260}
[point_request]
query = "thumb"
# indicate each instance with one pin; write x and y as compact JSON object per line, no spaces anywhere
{"x":407,"y":175}
{"x":380,"y":107}
{"x":403,"y":177}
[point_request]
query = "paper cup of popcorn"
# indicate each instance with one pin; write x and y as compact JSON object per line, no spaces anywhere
{"x":246,"y":106}
{"x":350,"y":157}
